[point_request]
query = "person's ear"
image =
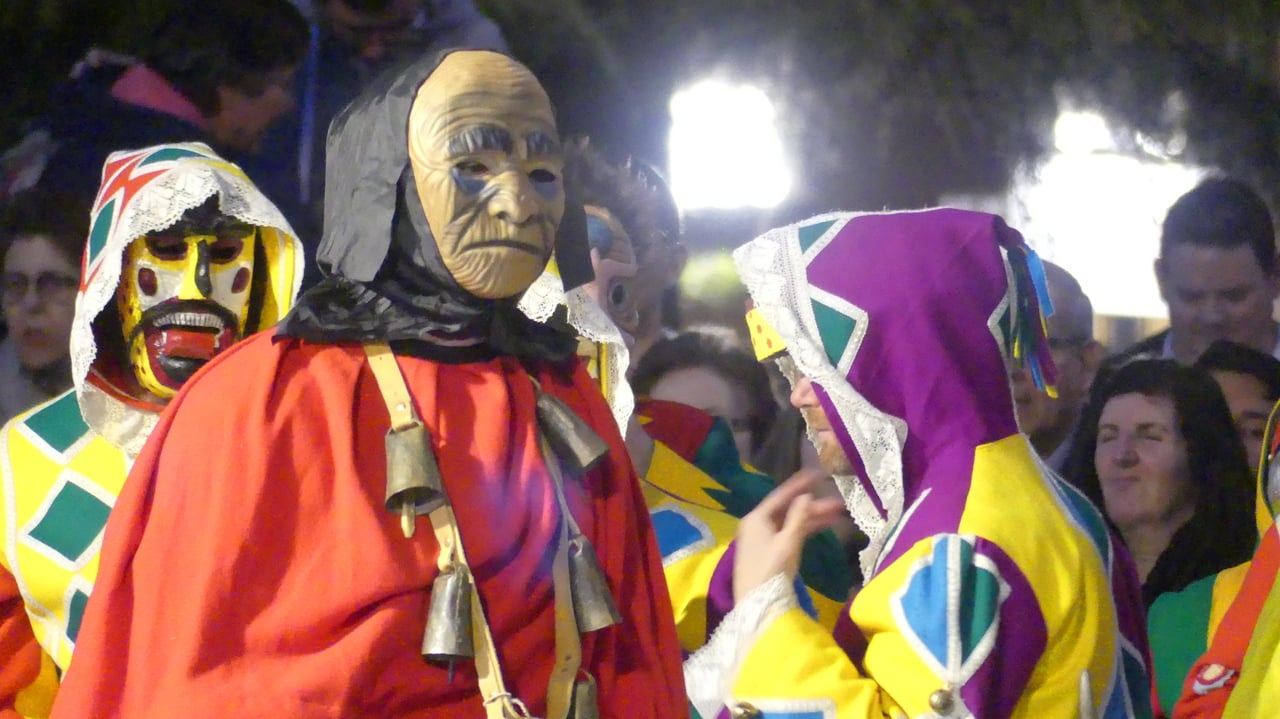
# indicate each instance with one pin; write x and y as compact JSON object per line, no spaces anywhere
{"x":1158,"y":266}
{"x":1091,"y":356}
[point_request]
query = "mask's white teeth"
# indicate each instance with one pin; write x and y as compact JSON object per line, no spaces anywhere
{"x":190,"y":319}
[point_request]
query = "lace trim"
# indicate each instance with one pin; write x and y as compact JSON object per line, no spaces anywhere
{"x":772,"y":268}
{"x":125,"y":427}
{"x":592,"y":323}
{"x":709,"y":674}
{"x":157,"y":205}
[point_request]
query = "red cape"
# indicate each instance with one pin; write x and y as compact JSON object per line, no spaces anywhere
{"x":249,"y":568}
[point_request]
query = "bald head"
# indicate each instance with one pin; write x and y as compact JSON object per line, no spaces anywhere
{"x":1073,"y":313}
{"x":1048,"y":421}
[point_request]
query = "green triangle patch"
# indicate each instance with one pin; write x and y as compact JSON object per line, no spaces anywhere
{"x":101,"y":227}
{"x":170,"y":153}
{"x":809,"y":234}
{"x":835,"y":328}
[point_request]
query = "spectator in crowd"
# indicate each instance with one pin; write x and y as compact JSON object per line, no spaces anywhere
{"x":1159,"y":452}
{"x":41,"y":237}
{"x":1183,"y":624}
{"x":706,"y":368}
{"x":1250,"y":382}
{"x":1217,"y":273}
{"x":1050,"y":422}
{"x":351,"y":42}
{"x":219,"y":73}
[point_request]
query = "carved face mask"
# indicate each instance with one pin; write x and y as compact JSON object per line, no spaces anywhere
{"x":614,"y":260}
{"x":184,"y":296}
{"x":487,"y":163}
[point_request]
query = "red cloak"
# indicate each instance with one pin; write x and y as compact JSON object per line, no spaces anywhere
{"x":249,"y":568}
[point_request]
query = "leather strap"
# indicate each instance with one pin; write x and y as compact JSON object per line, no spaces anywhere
{"x":391,"y":384}
{"x":498,"y":702}
{"x":564,"y":671}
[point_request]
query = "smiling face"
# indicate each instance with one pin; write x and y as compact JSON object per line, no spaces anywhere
{"x":184,"y":296}
{"x":487,"y":163}
{"x":1141,"y":459}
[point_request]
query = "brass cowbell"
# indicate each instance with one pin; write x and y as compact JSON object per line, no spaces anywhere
{"x":593,"y":605}
{"x":448,"y":634}
{"x":572,"y":439}
{"x":414,"y":485}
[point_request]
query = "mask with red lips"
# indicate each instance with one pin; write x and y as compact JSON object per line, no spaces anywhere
{"x":184,"y":296}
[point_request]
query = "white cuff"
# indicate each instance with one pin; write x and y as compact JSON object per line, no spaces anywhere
{"x":710,"y":673}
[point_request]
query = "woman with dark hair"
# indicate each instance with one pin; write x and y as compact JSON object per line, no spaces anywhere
{"x":1159,"y":452}
{"x":706,"y":367}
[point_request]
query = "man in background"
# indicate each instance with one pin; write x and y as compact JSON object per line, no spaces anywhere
{"x":1050,"y":422}
{"x":1216,"y":272}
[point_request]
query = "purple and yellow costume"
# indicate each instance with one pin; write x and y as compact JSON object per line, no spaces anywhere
{"x":993,"y":588}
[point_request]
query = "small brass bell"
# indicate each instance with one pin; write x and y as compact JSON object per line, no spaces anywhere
{"x":586,"y":703}
{"x":413,"y":477}
{"x":448,"y":634}
{"x":592,"y":601}
{"x":942,"y":701}
{"x":570,"y":438}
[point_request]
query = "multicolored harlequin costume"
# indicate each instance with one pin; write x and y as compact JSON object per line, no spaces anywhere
{"x":993,"y":588}
{"x":63,"y":463}
{"x":696,"y":488}
{"x":1236,"y":675}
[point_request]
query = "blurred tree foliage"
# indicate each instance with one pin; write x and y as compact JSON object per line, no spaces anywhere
{"x":883,"y":102}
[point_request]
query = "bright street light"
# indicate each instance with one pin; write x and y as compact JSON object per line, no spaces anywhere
{"x":724,"y":149}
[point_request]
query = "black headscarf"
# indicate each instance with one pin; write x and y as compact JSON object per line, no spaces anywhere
{"x":385,"y":277}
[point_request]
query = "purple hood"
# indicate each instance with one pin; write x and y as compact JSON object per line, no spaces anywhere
{"x":906,"y":324}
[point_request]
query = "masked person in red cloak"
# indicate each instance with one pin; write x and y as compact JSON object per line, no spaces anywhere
{"x":410,"y":500}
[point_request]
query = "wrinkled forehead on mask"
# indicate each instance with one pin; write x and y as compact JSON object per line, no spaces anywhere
{"x":473,"y":86}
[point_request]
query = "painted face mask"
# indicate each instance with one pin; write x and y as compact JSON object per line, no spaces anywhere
{"x":184,"y":296}
{"x":487,"y":163}
{"x":614,"y":260}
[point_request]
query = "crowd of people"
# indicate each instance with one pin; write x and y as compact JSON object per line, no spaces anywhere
{"x":336,"y":383}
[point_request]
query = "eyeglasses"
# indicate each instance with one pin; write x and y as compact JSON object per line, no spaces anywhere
{"x":48,"y":286}
{"x":1062,"y":343}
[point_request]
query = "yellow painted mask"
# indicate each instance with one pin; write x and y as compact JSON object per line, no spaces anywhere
{"x":486,"y":159}
{"x":184,"y":296}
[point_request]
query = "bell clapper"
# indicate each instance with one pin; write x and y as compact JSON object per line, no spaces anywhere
{"x":407,"y":520}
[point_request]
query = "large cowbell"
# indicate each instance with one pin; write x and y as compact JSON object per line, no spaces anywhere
{"x":414,"y":485}
{"x":593,"y":605}
{"x":448,"y":635}
{"x":572,"y":439}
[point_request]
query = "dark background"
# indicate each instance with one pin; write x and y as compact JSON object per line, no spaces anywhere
{"x":883,"y":104}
